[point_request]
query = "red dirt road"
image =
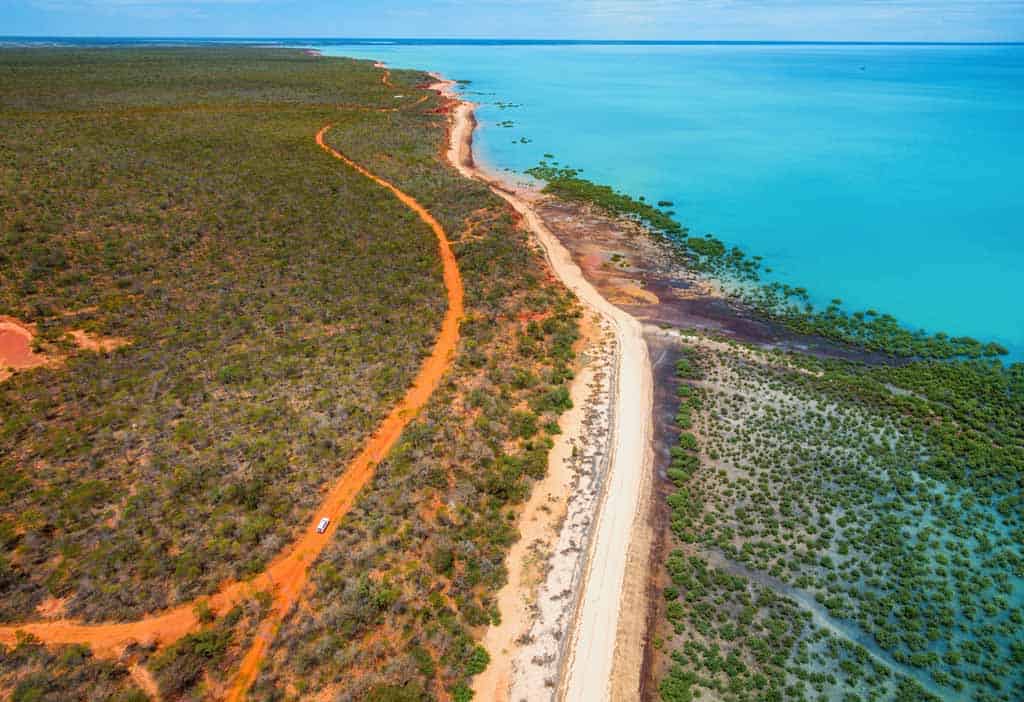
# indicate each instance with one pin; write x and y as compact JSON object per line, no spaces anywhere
{"x":362,"y":468}
{"x":288,"y":573}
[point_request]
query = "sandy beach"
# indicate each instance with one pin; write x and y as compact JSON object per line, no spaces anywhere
{"x":604,"y":649}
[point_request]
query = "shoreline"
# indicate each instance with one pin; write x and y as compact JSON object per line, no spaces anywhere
{"x":618,"y":268}
{"x":544,"y":564}
{"x":596,"y":665}
{"x":647,"y":281}
{"x":629,"y":277}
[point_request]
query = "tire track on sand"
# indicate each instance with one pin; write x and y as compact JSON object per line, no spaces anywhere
{"x":288,"y":573}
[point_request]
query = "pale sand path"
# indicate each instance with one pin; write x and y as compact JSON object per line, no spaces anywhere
{"x":600,"y":635}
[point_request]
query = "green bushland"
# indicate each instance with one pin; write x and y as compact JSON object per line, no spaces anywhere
{"x":31,"y":672}
{"x":190,"y":666}
{"x":399,"y":597}
{"x":277,"y":305}
{"x":787,"y":304}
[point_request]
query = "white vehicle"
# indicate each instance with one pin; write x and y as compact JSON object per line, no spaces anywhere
{"x":322,"y":526}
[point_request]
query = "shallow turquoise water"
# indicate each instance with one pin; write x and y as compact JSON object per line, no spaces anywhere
{"x":887,"y":176}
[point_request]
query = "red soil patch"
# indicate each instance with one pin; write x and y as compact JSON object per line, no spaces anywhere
{"x":16,"y":338}
{"x":16,"y":347}
{"x":101,"y":344}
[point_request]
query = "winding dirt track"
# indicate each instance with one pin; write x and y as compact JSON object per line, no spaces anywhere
{"x":362,"y":468}
{"x":288,"y":573}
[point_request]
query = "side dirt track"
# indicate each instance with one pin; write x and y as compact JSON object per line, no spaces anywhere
{"x":604,"y":652}
{"x":288,"y":573}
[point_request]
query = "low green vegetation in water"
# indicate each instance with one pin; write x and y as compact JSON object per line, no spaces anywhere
{"x":787,"y":304}
{"x":845,"y":532}
{"x":868,"y":329}
{"x":567,"y":183}
{"x":727,"y":633}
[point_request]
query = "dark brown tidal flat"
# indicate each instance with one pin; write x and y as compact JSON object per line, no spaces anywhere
{"x":645,"y":277}
{"x":664,"y":354}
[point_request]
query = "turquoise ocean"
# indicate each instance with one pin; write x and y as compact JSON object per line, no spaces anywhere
{"x":889,"y":176}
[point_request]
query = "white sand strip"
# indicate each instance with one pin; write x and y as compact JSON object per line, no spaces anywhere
{"x":596,"y":640}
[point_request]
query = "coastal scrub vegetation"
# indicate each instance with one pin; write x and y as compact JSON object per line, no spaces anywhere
{"x":408,"y":584}
{"x":31,"y":672}
{"x":566,"y":183}
{"x":276,"y":307}
{"x":277,"y":304}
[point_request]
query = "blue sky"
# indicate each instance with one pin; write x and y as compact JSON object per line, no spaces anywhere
{"x":875,"y":20}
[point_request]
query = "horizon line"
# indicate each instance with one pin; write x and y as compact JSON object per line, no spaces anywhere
{"x":481,"y":40}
